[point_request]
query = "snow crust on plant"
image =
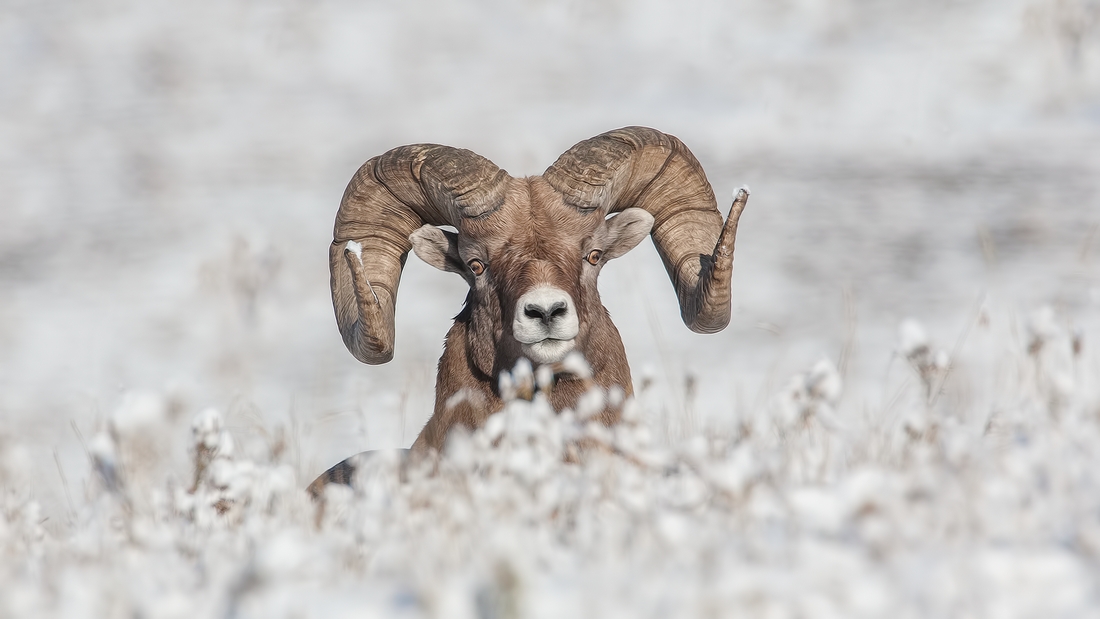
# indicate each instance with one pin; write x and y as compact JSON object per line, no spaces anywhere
{"x":577,"y":365}
{"x":803,"y":507}
{"x":911,"y":337}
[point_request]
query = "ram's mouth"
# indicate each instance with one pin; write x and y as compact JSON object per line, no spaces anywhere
{"x":548,"y":350}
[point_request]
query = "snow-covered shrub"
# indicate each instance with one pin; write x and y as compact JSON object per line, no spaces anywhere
{"x":800,"y":508}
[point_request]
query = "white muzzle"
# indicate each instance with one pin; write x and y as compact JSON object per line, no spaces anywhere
{"x":545,"y":324}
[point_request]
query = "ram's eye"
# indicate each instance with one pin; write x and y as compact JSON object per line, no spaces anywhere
{"x":477,"y":266}
{"x":594,"y":256}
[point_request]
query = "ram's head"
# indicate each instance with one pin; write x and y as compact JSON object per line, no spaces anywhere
{"x":531,"y":250}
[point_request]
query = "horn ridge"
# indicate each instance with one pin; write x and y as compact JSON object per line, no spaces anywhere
{"x":655,"y":171}
{"x":389,"y":197}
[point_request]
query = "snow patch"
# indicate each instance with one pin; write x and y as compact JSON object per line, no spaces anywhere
{"x":355,"y":248}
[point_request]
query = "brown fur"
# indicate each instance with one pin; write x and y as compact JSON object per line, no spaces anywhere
{"x":533,"y":239}
{"x":527,"y":232}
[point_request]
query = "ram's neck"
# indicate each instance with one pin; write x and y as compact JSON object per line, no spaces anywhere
{"x":605,"y":354}
{"x":466,"y":396}
{"x":463,"y":395}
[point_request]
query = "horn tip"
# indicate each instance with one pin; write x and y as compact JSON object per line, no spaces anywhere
{"x":355,"y":248}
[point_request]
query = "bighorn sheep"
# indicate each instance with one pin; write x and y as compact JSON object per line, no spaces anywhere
{"x":531,"y":250}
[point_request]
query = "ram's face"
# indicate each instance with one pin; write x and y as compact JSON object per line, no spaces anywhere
{"x":532,"y":268}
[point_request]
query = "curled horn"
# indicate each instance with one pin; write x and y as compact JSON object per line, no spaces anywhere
{"x":644,"y":168}
{"x":389,"y":197}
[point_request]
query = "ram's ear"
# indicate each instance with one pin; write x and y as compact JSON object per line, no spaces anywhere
{"x":438,"y":248}
{"x":625,"y":231}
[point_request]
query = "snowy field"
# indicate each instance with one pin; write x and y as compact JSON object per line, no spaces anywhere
{"x":902,"y":419}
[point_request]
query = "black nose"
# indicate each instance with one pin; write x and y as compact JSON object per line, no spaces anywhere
{"x":545,"y":314}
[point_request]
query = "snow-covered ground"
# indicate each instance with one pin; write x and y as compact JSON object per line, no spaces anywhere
{"x":903,"y":417}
